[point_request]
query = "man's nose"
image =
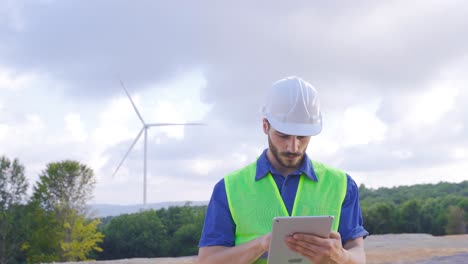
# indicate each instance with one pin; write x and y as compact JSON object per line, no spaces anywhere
{"x":293,"y":145}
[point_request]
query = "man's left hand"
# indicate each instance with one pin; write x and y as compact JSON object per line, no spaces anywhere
{"x":318,"y":249}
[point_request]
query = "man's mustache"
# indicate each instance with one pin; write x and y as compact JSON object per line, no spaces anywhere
{"x":291,"y":154}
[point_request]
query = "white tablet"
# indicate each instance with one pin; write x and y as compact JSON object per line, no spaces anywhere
{"x":279,"y":252}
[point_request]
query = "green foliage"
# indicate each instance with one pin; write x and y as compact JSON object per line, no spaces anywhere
{"x":53,"y":225}
{"x":432,"y":216}
{"x":380,"y":218}
{"x":174,"y":217}
{"x":43,"y":243}
{"x":456,"y":223}
{"x":84,"y":238}
{"x":409,"y":217}
{"x":13,"y":187}
{"x":134,"y":235}
{"x":399,"y":195}
{"x":170,"y":232}
{"x":187,"y":235}
{"x":13,"y":184}
{"x":184,"y":225}
{"x":59,"y":229}
{"x":104,"y":221}
{"x":65,"y":185}
{"x":436,"y":209}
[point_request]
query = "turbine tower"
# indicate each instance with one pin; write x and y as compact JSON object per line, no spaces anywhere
{"x":145,"y":130}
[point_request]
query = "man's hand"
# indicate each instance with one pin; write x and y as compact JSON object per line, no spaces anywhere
{"x":317,"y":249}
{"x":246,"y":253}
{"x":265,"y":241}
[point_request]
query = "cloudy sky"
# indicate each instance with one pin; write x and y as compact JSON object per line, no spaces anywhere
{"x":392,"y":78}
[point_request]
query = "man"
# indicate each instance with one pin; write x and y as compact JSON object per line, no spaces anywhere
{"x":284,"y":181}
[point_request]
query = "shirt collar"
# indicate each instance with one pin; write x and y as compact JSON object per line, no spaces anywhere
{"x":264,"y":167}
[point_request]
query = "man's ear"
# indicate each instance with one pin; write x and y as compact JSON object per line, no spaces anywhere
{"x":266,"y":126}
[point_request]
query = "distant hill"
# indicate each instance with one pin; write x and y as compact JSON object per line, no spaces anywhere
{"x":401,"y":194}
{"x":103,"y":210}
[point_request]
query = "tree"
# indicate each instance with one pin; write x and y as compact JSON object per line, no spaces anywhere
{"x":45,"y":235}
{"x":63,"y":192}
{"x":13,"y":187}
{"x":432,"y":216}
{"x":65,"y":185}
{"x":184,"y":241}
{"x":175,"y":216}
{"x":380,"y":218}
{"x":135,"y":235}
{"x":409,"y":217}
{"x":463,"y":204}
{"x":84,"y":238}
{"x":455,"y":221}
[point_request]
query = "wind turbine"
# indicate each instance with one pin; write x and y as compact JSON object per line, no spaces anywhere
{"x":145,"y":130}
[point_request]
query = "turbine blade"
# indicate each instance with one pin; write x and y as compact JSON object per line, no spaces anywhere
{"x":133,"y":104}
{"x":130,"y":149}
{"x":176,"y":124}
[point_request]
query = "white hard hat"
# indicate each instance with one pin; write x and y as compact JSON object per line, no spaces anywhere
{"x":292,"y":107}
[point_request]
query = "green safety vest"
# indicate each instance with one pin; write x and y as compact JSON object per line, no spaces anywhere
{"x":254,"y":204}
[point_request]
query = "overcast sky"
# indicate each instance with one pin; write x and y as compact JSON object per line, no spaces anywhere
{"x":392,"y":77}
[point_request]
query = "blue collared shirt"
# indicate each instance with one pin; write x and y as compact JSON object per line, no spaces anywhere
{"x":219,"y":228}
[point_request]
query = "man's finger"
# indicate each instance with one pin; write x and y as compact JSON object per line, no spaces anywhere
{"x":311,"y":252}
{"x":310,"y":238}
{"x":335,"y":235}
{"x":304,"y":246}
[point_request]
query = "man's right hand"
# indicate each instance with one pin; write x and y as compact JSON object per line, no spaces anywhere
{"x":265,"y":241}
{"x":246,"y":253}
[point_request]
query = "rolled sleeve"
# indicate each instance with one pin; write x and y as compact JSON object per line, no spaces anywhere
{"x":351,"y":223}
{"x":219,"y":228}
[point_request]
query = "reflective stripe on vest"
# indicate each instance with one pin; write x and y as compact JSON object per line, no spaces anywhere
{"x":253,"y":204}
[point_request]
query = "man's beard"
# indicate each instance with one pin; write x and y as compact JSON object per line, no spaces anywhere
{"x":283,"y":160}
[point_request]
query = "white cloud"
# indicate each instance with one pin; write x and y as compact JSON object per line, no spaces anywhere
{"x":11,"y":16}
{"x":357,"y":125}
{"x":3,"y":126}
{"x":402,"y":154}
{"x":409,"y":176}
{"x":164,"y":186}
{"x":3,"y":131}
{"x":392,"y":77}
{"x":460,"y":153}
{"x":204,"y":166}
{"x":75,"y":127}
{"x":34,"y":122}
{"x":429,"y":108}
{"x":362,"y":126}
{"x":177,"y":101}
{"x":208,"y":166}
{"x":169,"y":112}
{"x":11,"y":80}
{"x":116,"y":122}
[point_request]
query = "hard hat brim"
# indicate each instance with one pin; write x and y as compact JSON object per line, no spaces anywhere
{"x":295,"y":129}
